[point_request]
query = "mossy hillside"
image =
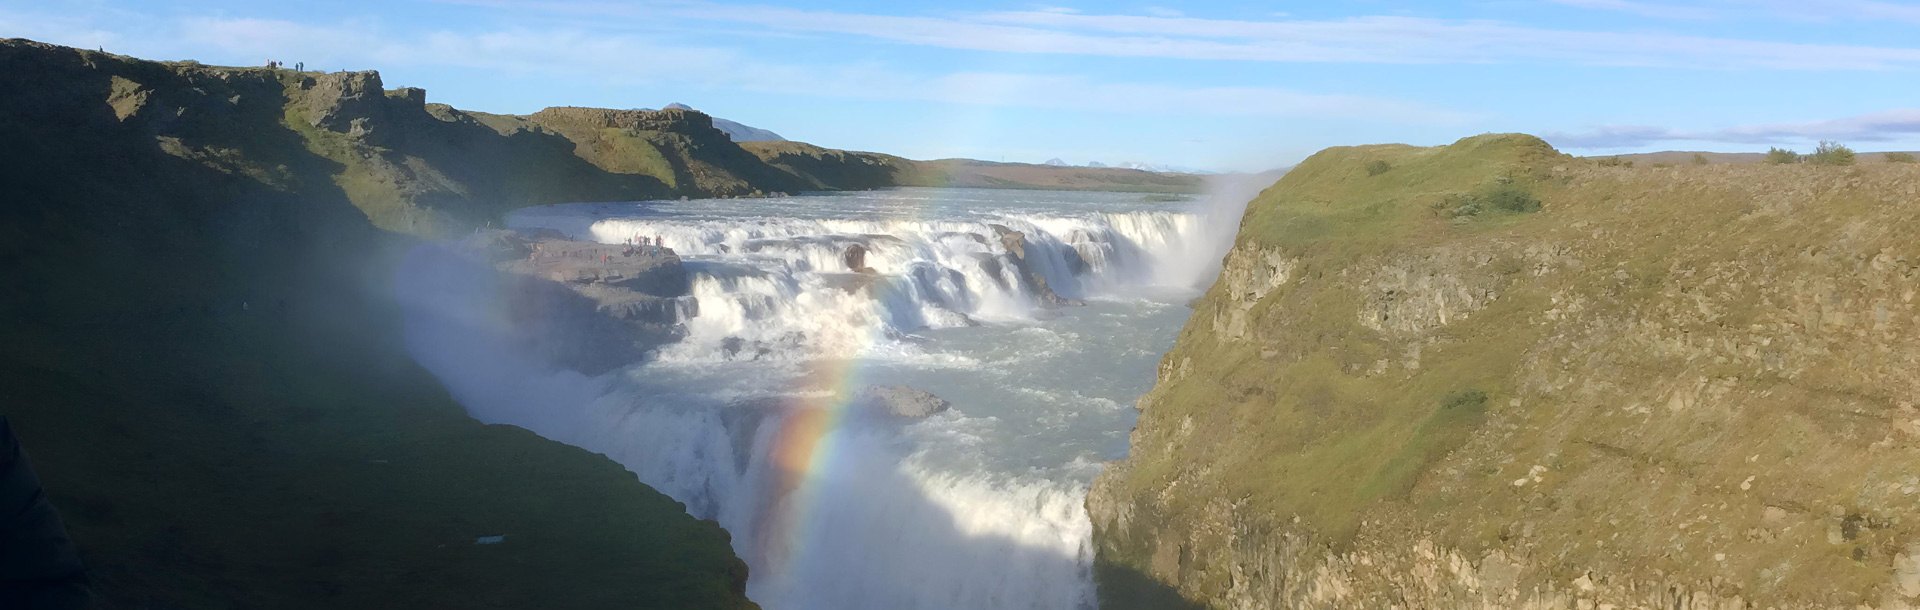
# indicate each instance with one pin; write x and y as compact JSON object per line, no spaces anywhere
{"x":1649,"y":339}
{"x":1341,"y":441}
{"x":206,"y":363}
{"x":434,"y":170}
{"x":828,"y":169}
{"x":681,"y":148}
{"x":1332,"y":200}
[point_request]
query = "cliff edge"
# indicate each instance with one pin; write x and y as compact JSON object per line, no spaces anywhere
{"x":1488,"y":375}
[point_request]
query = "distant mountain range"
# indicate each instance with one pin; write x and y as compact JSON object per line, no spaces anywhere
{"x":1145,"y":167}
{"x":736,"y":131}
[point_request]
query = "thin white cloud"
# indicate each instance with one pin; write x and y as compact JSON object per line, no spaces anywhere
{"x":607,"y":58}
{"x":1838,"y":10}
{"x":1373,"y":39}
{"x":1774,"y":10}
{"x":1887,"y":126}
{"x":1657,"y":10}
{"x":367,"y":45}
{"x":1387,"y":39}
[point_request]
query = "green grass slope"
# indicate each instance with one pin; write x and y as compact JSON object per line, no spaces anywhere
{"x":1488,"y":375}
{"x":203,"y":356}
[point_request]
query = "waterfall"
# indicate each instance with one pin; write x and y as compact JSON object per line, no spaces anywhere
{"x":978,"y":507}
{"x":770,"y":287}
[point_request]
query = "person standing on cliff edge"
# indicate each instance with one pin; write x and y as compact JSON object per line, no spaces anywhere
{"x":39,"y":567}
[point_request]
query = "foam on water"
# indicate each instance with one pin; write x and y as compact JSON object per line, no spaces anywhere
{"x":978,"y":507}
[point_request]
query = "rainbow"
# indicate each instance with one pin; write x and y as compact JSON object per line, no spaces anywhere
{"x":805,"y":449}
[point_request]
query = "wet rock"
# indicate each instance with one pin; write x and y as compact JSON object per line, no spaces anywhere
{"x":852,"y":283}
{"x":855,"y":258}
{"x":1015,"y":243}
{"x":1077,"y":262}
{"x":901,"y":401}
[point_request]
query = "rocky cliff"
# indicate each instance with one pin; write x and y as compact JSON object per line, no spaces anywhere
{"x":1488,"y":375}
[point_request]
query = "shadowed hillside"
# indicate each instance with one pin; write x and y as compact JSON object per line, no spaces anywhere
{"x":203,"y":352}
{"x":1489,"y":375}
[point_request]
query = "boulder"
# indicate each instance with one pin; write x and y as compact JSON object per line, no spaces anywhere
{"x":901,"y":401}
{"x":1016,"y":244}
{"x":855,"y":258}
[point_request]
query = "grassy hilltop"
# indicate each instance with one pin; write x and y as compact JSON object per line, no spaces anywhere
{"x":1489,"y":375}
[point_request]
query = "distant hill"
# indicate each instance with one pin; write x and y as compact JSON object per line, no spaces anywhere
{"x":735,"y":131}
{"x":829,"y":169}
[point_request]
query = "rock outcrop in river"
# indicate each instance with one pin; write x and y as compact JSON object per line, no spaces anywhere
{"x":1494,"y":376}
{"x":587,"y":306}
{"x":902,"y":401}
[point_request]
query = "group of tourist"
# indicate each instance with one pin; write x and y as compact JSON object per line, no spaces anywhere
{"x":638,"y":244}
{"x":651,"y":246}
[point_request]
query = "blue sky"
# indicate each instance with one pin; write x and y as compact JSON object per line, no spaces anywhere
{"x":1219,"y":85}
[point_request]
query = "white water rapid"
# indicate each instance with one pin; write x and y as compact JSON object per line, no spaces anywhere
{"x":836,"y":508}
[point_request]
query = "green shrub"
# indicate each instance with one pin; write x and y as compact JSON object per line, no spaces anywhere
{"x":1502,"y":197}
{"x":1377,"y":167}
{"x":1700,"y":159}
{"x":1615,"y":162}
{"x":1512,"y":198}
{"x":1831,"y":153}
{"x":1782,"y":156}
{"x":1899,"y":157}
{"x":1465,"y":399}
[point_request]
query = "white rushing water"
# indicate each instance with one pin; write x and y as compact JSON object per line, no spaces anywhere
{"x":977,"y":507}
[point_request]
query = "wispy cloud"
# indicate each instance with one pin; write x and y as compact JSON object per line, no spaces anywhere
{"x":1770,"y":10}
{"x":367,"y":45}
{"x":612,"y":58}
{"x":1891,"y":125}
{"x":1367,"y":39}
{"x":1657,"y":10}
{"x":1846,"y":10}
